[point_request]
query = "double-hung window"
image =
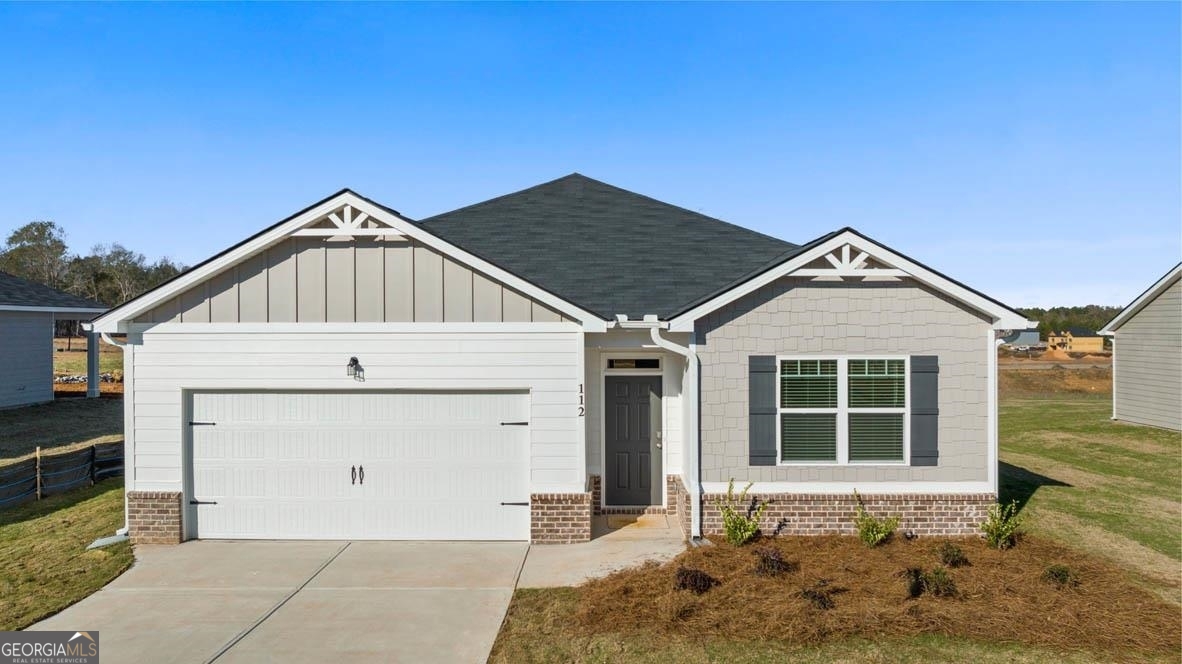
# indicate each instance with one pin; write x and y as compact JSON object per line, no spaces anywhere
{"x":842,"y":410}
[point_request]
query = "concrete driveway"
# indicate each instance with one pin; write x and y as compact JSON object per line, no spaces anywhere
{"x":303,"y":602}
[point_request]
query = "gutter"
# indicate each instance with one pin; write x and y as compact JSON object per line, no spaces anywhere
{"x":692,"y":445}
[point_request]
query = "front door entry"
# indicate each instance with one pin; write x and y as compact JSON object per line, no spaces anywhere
{"x":632,"y":468}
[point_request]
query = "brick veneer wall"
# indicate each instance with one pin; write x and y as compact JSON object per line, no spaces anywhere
{"x":560,"y":518}
{"x":820,"y":514}
{"x":595,"y":486}
{"x":679,"y":504}
{"x":154,"y":517}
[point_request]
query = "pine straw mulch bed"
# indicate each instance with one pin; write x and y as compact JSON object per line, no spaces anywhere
{"x":1001,"y":596}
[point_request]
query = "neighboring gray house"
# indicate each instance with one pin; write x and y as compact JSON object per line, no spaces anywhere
{"x":1022,"y":338}
{"x":27,"y":314}
{"x":509,"y":369}
{"x":1147,"y":356}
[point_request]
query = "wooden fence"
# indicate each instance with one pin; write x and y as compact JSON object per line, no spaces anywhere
{"x":51,"y":474}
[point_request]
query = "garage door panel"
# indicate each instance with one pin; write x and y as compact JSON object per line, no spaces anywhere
{"x":436,"y":465}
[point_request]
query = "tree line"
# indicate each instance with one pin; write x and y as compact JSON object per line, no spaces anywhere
{"x":110,"y":273}
{"x":1091,"y":317}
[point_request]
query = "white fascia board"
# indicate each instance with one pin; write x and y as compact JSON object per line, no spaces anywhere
{"x":1003,"y":319}
{"x":52,"y":310}
{"x":1143,"y":299}
{"x":116,"y":319}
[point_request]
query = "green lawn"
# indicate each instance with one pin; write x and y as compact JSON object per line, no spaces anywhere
{"x":58,"y":426}
{"x":44,"y":564}
{"x":1105,"y":487}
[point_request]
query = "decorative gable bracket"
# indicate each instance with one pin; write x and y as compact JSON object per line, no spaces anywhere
{"x":346,"y":223}
{"x":841,"y":264}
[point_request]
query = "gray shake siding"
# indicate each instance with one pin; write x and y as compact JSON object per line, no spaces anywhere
{"x":798,"y":316}
{"x":26,"y":358}
{"x":1147,"y":380}
{"x":363,"y":281}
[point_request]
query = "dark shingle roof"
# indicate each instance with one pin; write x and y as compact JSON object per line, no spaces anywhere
{"x":17,"y":292}
{"x":606,"y":249}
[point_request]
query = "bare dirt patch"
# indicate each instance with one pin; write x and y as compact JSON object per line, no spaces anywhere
{"x":1018,"y":381}
{"x":999,"y":596}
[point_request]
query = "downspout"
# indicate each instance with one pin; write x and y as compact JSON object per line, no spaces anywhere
{"x":128,"y":464}
{"x":692,"y":447}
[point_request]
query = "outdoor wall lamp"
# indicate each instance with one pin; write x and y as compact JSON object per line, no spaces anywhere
{"x":354,"y":369}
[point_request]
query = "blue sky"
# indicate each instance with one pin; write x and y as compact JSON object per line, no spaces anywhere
{"x":1029,"y":150}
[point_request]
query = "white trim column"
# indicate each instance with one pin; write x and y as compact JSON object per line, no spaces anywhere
{"x":92,"y":364}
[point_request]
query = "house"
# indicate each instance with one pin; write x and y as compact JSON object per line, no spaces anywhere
{"x":27,"y":314}
{"x":1147,"y":356}
{"x":509,"y":369}
{"x":1076,"y":340}
{"x":1022,"y":338}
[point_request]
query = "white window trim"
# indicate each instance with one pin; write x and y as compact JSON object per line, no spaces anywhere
{"x":842,"y":411}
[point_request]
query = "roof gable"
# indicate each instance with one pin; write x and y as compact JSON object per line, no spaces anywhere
{"x":1143,"y":299}
{"x":345,"y":216}
{"x":847,"y":254}
{"x":17,"y":294}
{"x":608,"y":249}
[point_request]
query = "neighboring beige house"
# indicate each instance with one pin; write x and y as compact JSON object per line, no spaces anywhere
{"x":1076,"y":340}
{"x":1147,"y":356}
{"x":509,"y":369}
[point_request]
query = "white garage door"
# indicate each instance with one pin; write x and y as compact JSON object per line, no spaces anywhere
{"x":359,"y":465}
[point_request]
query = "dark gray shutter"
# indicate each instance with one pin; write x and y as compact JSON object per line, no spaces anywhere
{"x":761,"y":410}
{"x":925,"y":409}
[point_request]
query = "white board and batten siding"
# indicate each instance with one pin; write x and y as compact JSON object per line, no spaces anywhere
{"x":169,"y":362}
{"x":26,"y":358}
{"x":1147,"y":368}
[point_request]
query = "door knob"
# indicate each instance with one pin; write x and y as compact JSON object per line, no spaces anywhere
{"x":361,"y":474}
{"x":353,"y":471}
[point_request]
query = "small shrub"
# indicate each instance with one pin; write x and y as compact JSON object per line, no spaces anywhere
{"x":694,"y":580}
{"x":771,"y":563}
{"x":914,"y":578}
{"x":939,"y":583}
{"x":872,"y":530}
{"x":951,"y":555}
{"x":1001,"y":525}
{"x":740,"y":519}
{"x":819,"y":597}
{"x":1061,"y":576}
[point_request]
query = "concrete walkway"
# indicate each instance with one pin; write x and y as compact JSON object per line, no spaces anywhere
{"x":303,"y":602}
{"x":617,"y":542}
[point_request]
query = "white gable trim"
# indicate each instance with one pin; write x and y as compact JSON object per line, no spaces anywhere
{"x":116,"y":320}
{"x":1142,"y":300}
{"x":1002,"y":318}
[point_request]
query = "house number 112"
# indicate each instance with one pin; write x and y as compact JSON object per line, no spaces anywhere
{"x":582,"y":407}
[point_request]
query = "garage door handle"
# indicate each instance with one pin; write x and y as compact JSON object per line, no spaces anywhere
{"x":203,"y":424}
{"x":521,"y":504}
{"x":203,"y":502}
{"x":514,"y":424}
{"x":353,"y":470}
{"x":361,"y":474}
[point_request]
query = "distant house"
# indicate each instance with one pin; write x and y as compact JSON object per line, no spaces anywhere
{"x":1076,"y":340}
{"x":1147,"y":356}
{"x":27,"y":313}
{"x":1022,"y":338}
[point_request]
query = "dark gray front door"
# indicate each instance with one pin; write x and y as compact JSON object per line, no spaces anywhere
{"x":632,"y":446}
